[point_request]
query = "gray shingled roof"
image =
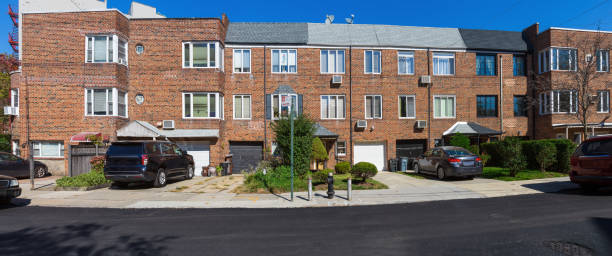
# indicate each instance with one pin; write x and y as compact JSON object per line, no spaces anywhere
{"x":270,"y":33}
{"x":470,"y":128}
{"x":323,"y":132}
{"x":493,"y":40}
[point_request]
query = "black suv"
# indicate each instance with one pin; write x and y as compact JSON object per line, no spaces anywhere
{"x":146,"y":161}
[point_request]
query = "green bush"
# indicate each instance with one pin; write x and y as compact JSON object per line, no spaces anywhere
{"x":565,"y":149}
{"x":494,"y":150}
{"x":484,"y":157}
{"x":321,"y":176}
{"x":277,"y":180}
{"x":513,"y":158}
{"x":343,"y":167}
{"x":547,"y":155}
{"x":5,"y":142}
{"x":319,"y":152}
{"x":89,"y":179}
{"x":364,"y":170}
{"x":97,"y":164}
{"x":302,"y":150}
{"x":460,"y":140}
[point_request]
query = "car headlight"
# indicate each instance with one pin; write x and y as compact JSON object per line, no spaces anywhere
{"x":14,"y":183}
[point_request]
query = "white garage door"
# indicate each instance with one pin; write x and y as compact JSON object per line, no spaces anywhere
{"x":200,"y":150}
{"x":370,"y":152}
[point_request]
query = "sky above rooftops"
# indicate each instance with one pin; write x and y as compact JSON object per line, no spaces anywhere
{"x":513,"y":15}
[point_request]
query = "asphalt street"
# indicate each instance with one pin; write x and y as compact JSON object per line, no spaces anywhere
{"x":568,"y":223}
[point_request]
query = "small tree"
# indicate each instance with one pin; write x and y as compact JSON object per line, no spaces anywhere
{"x":460,"y":140}
{"x":364,"y":170}
{"x":546,"y":155}
{"x":303,"y":128}
{"x":319,"y":153}
{"x":513,"y":159}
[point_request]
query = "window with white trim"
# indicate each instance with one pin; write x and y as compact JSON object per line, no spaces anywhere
{"x":201,"y":55}
{"x":407,"y":106}
{"x":106,"y":102}
{"x":242,"y":106}
{"x":202,"y":105}
{"x":556,"y":58}
{"x":558,"y":102}
{"x":340,"y":148}
{"x":106,"y":49}
{"x":444,"y":106}
{"x":603,"y":101}
{"x":372,"y":60}
{"x":443,"y":63}
{"x":332,"y":106}
{"x":53,"y":149}
{"x":373,"y":107}
{"x":405,"y":63}
{"x":332,"y":61}
{"x":242,"y":61}
{"x":284,"y":61}
{"x":603,"y":60}
{"x":280,"y":111}
{"x":15,"y":99}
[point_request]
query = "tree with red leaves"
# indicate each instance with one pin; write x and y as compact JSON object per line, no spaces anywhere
{"x":8,"y":63}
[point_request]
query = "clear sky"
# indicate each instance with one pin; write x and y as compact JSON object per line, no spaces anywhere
{"x":491,"y":14}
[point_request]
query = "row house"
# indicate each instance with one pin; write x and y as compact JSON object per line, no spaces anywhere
{"x":376,"y":92}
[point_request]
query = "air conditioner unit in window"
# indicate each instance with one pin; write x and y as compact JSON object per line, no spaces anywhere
{"x":337,"y":80}
{"x":425,"y":79}
{"x":362,"y":124}
{"x":122,"y":61}
{"x":588,"y":58}
{"x":421,"y":124}
{"x":168,"y":124}
{"x":10,"y":111}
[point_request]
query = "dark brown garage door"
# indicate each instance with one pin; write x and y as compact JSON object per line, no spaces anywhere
{"x":246,"y":155}
{"x":410,"y":148}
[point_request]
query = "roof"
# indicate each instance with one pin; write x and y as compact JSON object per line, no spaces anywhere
{"x":142,"y":129}
{"x":321,"y":131}
{"x":270,"y":33}
{"x":478,"y":39}
{"x":470,"y":128}
{"x":191,"y":133}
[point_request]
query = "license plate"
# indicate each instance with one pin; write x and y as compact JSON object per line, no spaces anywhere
{"x":468,"y":163}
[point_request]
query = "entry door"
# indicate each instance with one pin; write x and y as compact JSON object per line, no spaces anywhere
{"x":245,"y":155}
{"x":370,"y":152}
{"x":200,"y":151}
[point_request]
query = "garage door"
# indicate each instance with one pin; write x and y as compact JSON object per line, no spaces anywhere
{"x":370,"y":152}
{"x":410,"y":148}
{"x":200,"y":150}
{"x":246,"y":155}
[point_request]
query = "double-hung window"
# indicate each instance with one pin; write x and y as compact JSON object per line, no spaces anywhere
{"x":106,"y":49}
{"x":603,"y":101}
{"x":373,"y":107}
{"x":283,"y":111}
{"x":555,"y":58}
{"x":15,"y":100}
{"x":332,"y":106}
{"x":444,"y":106}
{"x":443,"y":63}
{"x":54,"y":149}
{"x":242,"y":106}
{"x":106,"y":102}
{"x":202,"y":105}
{"x":340,"y":148}
{"x":372,"y":62}
{"x":242,"y":61}
{"x":603,"y":61}
{"x":407,"y":106}
{"x":284,"y":61}
{"x":486,"y":105}
{"x":520,"y":105}
{"x":405,"y":62}
{"x":485,"y":64}
{"x":558,"y":102}
{"x":332,"y":61}
{"x":201,"y":55}
{"x":519,"y":65}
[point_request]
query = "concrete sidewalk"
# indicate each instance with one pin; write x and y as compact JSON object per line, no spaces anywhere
{"x":215,"y":192}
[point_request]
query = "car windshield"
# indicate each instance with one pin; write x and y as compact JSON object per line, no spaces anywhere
{"x":591,"y":148}
{"x":457,"y":152}
{"x":125,"y":149}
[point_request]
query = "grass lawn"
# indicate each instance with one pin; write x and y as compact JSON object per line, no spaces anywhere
{"x":340,"y":183}
{"x":413,"y":175}
{"x":503,"y":174}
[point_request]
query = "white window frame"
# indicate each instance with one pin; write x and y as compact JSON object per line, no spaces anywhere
{"x":547,"y":60}
{"x":365,"y":106}
{"x":548,"y":102}
{"x":114,"y":93}
{"x":111,"y":57}
{"x":454,"y":106}
{"x":329,"y":108}
{"x":15,"y":92}
{"x":602,"y":100}
{"x":345,"y":148}
{"x":336,"y":64}
{"x":15,"y":147}
{"x":280,"y":65}
{"x":242,"y":96}
{"x":218,"y":53}
{"x":297,"y":106}
{"x":365,"y":71}
{"x":241,"y":52}
{"x":603,"y":55}
{"x":218,"y":105}
{"x":37,"y":145}
{"x":399,"y":107}
{"x":444,"y":55}
{"x":405,"y":54}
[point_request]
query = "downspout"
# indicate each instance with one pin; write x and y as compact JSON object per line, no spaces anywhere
{"x":501,"y":95}
{"x":351,"y":102}
{"x":429,"y":100}
{"x":264,"y":96}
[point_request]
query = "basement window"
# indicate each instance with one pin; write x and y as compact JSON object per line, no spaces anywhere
{"x":53,"y":149}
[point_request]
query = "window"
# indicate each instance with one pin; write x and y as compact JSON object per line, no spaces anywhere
{"x":444,"y":63}
{"x":603,"y":61}
{"x":485,"y":64}
{"x":242,"y":106}
{"x":444,"y":106}
{"x":48,"y":149}
{"x":15,"y":148}
{"x":332,"y":61}
{"x":242,"y":61}
{"x":201,"y":54}
{"x":284,"y":61}
{"x":603,"y":102}
{"x":340,"y":148}
{"x":557,"y":59}
{"x":202,"y":105}
{"x":559,"y":101}
{"x":105,"y":102}
{"x":405,"y":62}
{"x":139,"y":49}
{"x":14,"y":98}
{"x":486,"y":105}
{"x":406,"y":106}
{"x":373,"y":107}
{"x":332,"y":106}
{"x":280,"y":111}
{"x":520,"y":105}
{"x":372,"y":62}
{"x":106,"y":49}
{"x":519,"y":65}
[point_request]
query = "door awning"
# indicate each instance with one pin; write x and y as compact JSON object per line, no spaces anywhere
{"x":323,"y":132}
{"x":470,"y":128}
{"x":142,"y":129}
{"x":83,"y":136}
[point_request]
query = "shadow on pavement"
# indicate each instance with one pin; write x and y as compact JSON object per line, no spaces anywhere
{"x":78,"y":240}
{"x":15,"y":202}
{"x":567,"y":187}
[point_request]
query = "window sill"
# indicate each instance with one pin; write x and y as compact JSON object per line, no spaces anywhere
{"x":332,"y":119}
{"x":284,"y":73}
{"x":241,"y":119}
{"x":201,"y":118}
{"x":407,"y":118}
{"x":48,"y":157}
{"x":200,"y":67}
{"x":332,"y":73}
{"x":241,"y":72}
{"x":371,"y":73}
{"x":444,"y":75}
{"x":406,"y":74}
{"x":122,"y":64}
{"x":373,"y":118}
{"x":445,"y":117}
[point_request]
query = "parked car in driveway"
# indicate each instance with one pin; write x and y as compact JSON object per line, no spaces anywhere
{"x":9,"y":189}
{"x":14,"y":166}
{"x":448,"y":161}
{"x":147,"y":161}
{"x":591,"y":163}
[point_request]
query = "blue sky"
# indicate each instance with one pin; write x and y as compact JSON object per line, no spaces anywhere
{"x":491,"y":14}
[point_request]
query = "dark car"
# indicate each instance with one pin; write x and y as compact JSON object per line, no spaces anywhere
{"x":591,"y":163}
{"x":147,"y":161}
{"x":449,"y":162}
{"x":14,"y":166}
{"x":9,"y":189}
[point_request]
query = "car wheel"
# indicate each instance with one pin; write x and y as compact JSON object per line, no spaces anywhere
{"x":441,"y":174}
{"x":5,"y":201}
{"x":40,"y":172}
{"x":190,"y":173}
{"x":417,"y":169}
{"x":161,"y":179}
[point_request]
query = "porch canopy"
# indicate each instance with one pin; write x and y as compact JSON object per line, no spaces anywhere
{"x":323,"y":132}
{"x":83,"y":136}
{"x":142,"y":129}
{"x":471,"y":129}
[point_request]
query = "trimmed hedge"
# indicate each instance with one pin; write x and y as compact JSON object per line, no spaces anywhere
{"x":364,"y":170}
{"x":342,"y":167}
{"x":530,"y":148}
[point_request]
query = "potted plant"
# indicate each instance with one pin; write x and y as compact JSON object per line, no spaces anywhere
{"x":220,"y":171}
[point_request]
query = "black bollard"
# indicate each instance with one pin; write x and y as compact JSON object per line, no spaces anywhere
{"x":330,"y":186}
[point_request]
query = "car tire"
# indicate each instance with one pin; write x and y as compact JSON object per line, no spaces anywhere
{"x":161,"y":179}
{"x":417,"y":169}
{"x":441,"y":174}
{"x":40,"y":172}
{"x":5,"y":201}
{"x":189,"y":173}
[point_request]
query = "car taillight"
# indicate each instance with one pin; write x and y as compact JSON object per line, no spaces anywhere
{"x":478,"y":159}
{"x":145,"y":159}
{"x":454,"y":160}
